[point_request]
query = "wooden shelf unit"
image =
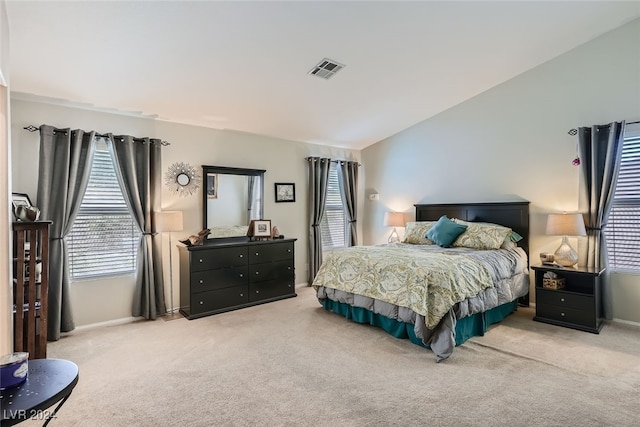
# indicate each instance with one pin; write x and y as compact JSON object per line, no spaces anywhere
{"x":30,"y":287}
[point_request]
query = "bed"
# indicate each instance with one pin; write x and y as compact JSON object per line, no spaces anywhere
{"x":438,"y":297}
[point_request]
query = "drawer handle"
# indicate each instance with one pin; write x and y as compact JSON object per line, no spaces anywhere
{"x":257,"y":253}
{"x":562,"y":314}
{"x":289,"y":250}
{"x":200,"y":259}
{"x":201,"y":282}
{"x":257,"y":273}
{"x":241,"y":275}
{"x":241,"y":295}
{"x":257,"y":292}
{"x":561,"y":299}
{"x":289,"y":285}
{"x":241,"y":256}
{"x":201,"y":302}
{"x":288,"y":268}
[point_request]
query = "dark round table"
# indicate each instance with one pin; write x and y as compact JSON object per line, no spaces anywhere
{"x":49,"y":381}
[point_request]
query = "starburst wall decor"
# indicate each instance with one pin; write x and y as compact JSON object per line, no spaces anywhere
{"x":182,"y":178}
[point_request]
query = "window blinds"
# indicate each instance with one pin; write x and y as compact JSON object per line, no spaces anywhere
{"x":104,"y":238}
{"x":333,"y":222}
{"x":623,"y":225}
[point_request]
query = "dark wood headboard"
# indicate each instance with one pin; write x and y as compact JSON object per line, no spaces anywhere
{"x":514,"y":215}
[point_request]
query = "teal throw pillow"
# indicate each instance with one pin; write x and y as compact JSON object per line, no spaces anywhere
{"x":445,"y":231}
{"x":515,"y":237}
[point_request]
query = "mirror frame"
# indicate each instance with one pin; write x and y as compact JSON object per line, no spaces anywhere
{"x":229,"y":171}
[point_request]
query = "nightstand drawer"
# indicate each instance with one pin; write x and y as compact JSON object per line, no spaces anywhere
{"x":564,"y":299}
{"x":581,"y":317}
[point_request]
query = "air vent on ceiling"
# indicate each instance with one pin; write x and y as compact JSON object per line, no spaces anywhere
{"x":326,"y":68}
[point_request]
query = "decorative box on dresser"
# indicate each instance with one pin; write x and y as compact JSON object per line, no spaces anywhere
{"x":228,"y":274}
{"x":577,"y":305}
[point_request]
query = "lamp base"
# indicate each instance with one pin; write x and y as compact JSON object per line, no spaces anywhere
{"x":565,"y":255}
{"x":393,"y":237}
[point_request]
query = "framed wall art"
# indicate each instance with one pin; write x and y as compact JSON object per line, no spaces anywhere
{"x":285,"y":192}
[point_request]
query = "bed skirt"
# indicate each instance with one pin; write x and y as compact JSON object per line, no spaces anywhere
{"x":467,"y":327}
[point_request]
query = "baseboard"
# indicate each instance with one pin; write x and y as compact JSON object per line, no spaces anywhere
{"x":626,"y":322}
{"x":114,"y":322}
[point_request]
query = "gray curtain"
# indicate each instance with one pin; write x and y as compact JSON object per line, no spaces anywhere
{"x":64,"y":169}
{"x":318,"y":179}
{"x":599,"y":148}
{"x":138,"y":166}
{"x":348,"y":179}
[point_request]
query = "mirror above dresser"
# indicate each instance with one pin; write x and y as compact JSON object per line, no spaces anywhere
{"x":232,"y":197}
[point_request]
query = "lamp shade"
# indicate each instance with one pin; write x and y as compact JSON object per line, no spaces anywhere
{"x":168,"y":221}
{"x":566,"y":225}
{"x":394,"y":219}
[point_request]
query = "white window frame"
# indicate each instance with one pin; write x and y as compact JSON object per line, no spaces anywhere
{"x":334,"y":205}
{"x":622,"y":228}
{"x":104,"y":238}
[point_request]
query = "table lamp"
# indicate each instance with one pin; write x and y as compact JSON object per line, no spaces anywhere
{"x":566,"y":225}
{"x":394,"y":219}
{"x":168,"y":221}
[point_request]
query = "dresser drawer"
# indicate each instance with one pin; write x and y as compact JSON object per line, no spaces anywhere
{"x":271,"y":271}
{"x":203,"y":302}
{"x":565,"y":299}
{"x":270,"y":252}
{"x":583,"y":317}
{"x":270,"y":289}
{"x":208,"y":280}
{"x":212,"y":259}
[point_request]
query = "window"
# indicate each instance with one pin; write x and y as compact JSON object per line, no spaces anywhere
{"x":104,"y":238}
{"x":334,"y":222}
{"x":623,"y":225}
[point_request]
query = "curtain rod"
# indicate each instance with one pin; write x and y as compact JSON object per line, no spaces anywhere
{"x":574,"y":131}
{"x":332,"y":161}
{"x":32,"y":128}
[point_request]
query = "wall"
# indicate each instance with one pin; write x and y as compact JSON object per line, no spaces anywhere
{"x":511,"y":143}
{"x":6,"y":298}
{"x":104,"y":300}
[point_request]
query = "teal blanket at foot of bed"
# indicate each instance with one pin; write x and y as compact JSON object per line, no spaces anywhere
{"x":467,"y":327}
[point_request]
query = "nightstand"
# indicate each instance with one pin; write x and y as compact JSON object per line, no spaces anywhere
{"x":577,"y":305}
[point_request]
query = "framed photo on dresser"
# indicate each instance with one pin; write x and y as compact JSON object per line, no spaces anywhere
{"x":262,"y":228}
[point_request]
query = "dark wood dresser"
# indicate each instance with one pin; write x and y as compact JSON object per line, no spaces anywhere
{"x":228,"y":274}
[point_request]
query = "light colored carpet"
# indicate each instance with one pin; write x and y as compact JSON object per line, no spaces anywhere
{"x":291,"y":363}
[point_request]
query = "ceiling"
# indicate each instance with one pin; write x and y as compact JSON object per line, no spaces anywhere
{"x":243,"y":65}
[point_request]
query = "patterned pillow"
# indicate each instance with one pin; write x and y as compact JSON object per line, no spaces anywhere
{"x":481,"y":235}
{"x":416,"y":232}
